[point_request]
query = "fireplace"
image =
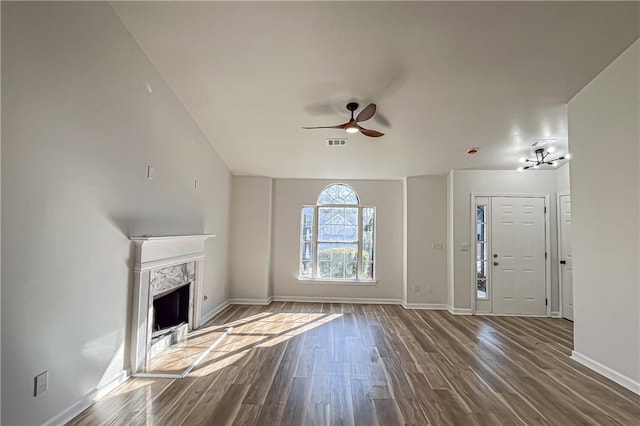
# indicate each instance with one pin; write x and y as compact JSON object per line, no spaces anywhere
{"x":168,"y":273}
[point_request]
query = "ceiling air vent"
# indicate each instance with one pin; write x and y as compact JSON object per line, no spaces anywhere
{"x":542,"y":142}
{"x":337,"y":142}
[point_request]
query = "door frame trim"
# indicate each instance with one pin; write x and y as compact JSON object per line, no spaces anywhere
{"x":547,"y":243}
{"x":559,"y":248}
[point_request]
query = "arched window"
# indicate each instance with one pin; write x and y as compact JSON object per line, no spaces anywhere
{"x":337,"y":237}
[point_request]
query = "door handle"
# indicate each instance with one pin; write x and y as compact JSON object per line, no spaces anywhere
{"x":563,"y":262}
{"x":495,"y":255}
{"x":495,"y":263}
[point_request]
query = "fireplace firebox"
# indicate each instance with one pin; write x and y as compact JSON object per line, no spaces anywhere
{"x":170,"y":309}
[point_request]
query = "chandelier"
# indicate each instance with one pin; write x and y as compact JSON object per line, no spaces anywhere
{"x":542,"y":159}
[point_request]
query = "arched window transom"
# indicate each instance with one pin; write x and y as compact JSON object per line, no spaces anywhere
{"x":338,"y":193}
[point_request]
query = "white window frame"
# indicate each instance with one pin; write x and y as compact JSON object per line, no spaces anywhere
{"x":360,"y":243}
{"x":486,"y":202}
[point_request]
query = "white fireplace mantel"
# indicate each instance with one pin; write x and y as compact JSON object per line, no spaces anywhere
{"x":154,"y":252}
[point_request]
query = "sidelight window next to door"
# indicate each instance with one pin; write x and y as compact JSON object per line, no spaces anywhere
{"x":482,"y":262}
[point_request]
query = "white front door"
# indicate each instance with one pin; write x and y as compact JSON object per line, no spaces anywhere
{"x":566,"y":260}
{"x":518,"y":255}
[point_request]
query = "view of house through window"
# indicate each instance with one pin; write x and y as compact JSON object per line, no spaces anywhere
{"x":337,"y":237}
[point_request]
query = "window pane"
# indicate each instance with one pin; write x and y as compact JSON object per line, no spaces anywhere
{"x":306,"y":260}
{"x":337,"y":224}
{"x":480,"y":229}
{"x":481,"y":251}
{"x":480,"y":211}
{"x":368,"y":225}
{"x":337,"y":260}
{"x":306,"y":242}
{"x":481,"y":287}
{"x":481,"y":269}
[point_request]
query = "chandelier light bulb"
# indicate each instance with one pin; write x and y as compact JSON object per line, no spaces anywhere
{"x":520,"y":169}
{"x":568,"y":156}
{"x":551,"y":150}
{"x":522,"y":160}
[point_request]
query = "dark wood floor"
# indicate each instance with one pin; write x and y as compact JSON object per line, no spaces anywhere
{"x":318,"y":364}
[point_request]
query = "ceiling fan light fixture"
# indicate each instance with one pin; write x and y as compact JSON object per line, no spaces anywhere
{"x":352,"y":128}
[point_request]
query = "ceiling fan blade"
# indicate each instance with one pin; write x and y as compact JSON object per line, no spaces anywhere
{"x":366,"y":113}
{"x":339,"y":126}
{"x":371,"y":133}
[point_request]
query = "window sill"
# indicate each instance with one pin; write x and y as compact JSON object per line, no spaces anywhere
{"x":324,"y":281}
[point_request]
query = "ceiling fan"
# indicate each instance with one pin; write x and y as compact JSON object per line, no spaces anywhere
{"x":352,"y":125}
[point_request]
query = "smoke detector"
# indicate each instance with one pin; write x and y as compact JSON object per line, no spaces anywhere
{"x":336,"y":142}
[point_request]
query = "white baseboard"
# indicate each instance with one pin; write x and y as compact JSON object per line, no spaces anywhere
{"x":215,"y":311}
{"x":491,"y":314}
{"x":607,"y":372}
{"x":88,"y":400}
{"x":428,"y":306}
{"x":358,"y":300}
{"x":459,"y":311}
{"x":556,"y":315}
{"x":237,"y":301}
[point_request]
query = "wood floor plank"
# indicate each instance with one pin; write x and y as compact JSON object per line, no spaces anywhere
{"x":307,"y":364}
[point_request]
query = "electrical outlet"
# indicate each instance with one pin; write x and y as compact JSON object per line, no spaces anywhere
{"x":149,"y":172}
{"x":416,"y":288}
{"x":40,"y":383}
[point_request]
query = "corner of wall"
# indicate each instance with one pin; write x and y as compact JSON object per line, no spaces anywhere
{"x":450,"y":243}
{"x":271,"y":242}
{"x":405,"y":204}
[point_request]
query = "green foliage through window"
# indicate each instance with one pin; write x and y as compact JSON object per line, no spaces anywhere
{"x":340,"y":262}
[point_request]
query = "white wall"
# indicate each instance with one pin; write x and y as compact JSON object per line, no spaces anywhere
{"x":563,"y":183}
{"x":250,"y":237}
{"x":605,"y":186}
{"x":427,"y":225}
{"x":78,"y":131}
{"x":289,"y":197}
{"x":495,"y":182}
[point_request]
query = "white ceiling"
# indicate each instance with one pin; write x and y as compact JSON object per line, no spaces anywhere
{"x":446,"y":76}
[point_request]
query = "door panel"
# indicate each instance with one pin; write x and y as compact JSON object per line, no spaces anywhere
{"x":566,"y":270}
{"x":518,"y":234}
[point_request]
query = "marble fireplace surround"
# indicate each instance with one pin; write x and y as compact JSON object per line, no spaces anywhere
{"x":161,"y":257}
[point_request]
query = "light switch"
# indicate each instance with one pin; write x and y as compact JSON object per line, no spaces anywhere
{"x":464,"y":246}
{"x":436,"y":246}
